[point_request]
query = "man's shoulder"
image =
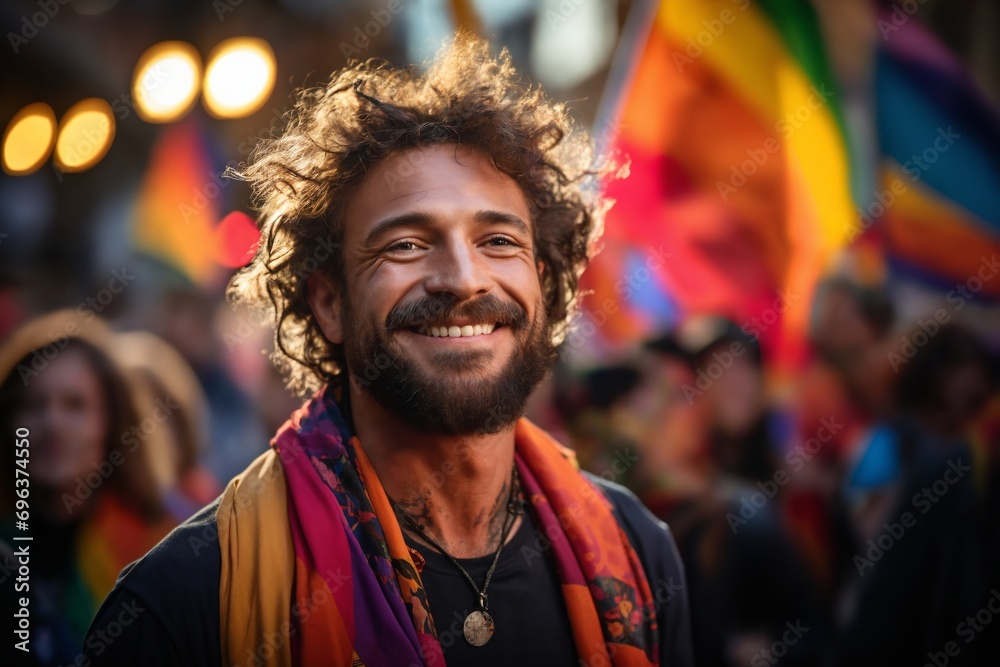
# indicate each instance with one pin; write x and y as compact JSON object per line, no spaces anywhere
{"x":183,"y":568}
{"x":651,"y":538}
{"x":173,"y":591}
{"x":195,"y":540}
{"x":655,"y":547}
{"x":631,"y":513}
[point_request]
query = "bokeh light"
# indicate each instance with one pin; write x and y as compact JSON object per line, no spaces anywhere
{"x":166,"y":81}
{"x":85,"y":135}
{"x":239,"y":77}
{"x":28,"y":139}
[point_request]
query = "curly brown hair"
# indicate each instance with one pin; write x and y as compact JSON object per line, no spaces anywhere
{"x":302,"y":180}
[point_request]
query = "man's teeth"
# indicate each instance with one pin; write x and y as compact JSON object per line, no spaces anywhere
{"x":459,"y":332}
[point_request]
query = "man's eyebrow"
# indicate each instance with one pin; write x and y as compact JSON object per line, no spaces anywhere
{"x":382,"y":226}
{"x":419,"y":218}
{"x":507,"y":218}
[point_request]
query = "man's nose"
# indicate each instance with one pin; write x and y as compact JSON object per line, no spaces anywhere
{"x":458,"y":269}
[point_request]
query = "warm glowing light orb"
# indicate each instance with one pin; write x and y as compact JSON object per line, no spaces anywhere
{"x":85,"y":135}
{"x":166,"y":81}
{"x":28,"y":139}
{"x":239,"y":77}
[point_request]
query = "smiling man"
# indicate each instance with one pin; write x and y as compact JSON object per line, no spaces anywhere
{"x":408,"y":514}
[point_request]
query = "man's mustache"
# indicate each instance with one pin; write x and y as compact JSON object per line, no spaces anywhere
{"x":431,"y":309}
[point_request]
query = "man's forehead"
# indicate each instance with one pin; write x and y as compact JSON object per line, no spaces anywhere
{"x":449,"y":178}
{"x":410,"y":168}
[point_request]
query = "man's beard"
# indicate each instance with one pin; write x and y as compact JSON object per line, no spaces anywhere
{"x":436,"y":402}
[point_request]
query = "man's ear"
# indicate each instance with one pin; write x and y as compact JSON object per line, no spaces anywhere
{"x":324,"y":300}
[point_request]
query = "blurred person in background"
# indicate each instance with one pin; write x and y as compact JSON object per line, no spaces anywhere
{"x":667,"y":427}
{"x":749,"y":589}
{"x":984,"y":437}
{"x":95,"y":500}
{"x":920,"y":552}
{"x":851,"y":377}
{"x":186,"y":320}
{"x":729,"y":378}
{"x":175,"y":390}
{"x":839,"y":408}
{"x":586,"y":402}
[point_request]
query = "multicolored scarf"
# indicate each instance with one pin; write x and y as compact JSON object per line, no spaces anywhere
{"x":315,"y":569}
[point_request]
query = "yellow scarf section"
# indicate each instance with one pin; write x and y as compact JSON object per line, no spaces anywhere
{"x":264,"y":566}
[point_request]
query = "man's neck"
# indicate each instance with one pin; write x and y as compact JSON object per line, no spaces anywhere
{"x":455,"y":487}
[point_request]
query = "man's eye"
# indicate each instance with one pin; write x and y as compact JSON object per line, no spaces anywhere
{"x":501,"y":241}
{"x":402,"y":246}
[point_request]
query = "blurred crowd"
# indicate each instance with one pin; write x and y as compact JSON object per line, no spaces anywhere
{"x":123,"y":434}
{"x":846,"y":515}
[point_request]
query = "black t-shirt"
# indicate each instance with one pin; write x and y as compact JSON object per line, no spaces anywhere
{"x":164,"y":609}
{"x":525,"y":600}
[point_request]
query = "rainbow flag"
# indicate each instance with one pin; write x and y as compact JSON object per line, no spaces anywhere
{"x":177,"y":218}
{"x":939,"y":171}
{"x":740,"y":188}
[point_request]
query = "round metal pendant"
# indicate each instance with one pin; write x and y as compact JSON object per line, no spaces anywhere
{"x":478,"y":628}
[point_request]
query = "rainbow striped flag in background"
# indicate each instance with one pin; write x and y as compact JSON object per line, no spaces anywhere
{"x":939,"y":172}
{"x":177,"y":218}
{"x":763,"y":138}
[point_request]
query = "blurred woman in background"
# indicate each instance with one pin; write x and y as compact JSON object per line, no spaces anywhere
{"x":95,"y":501}
{"x":176,"y":393}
